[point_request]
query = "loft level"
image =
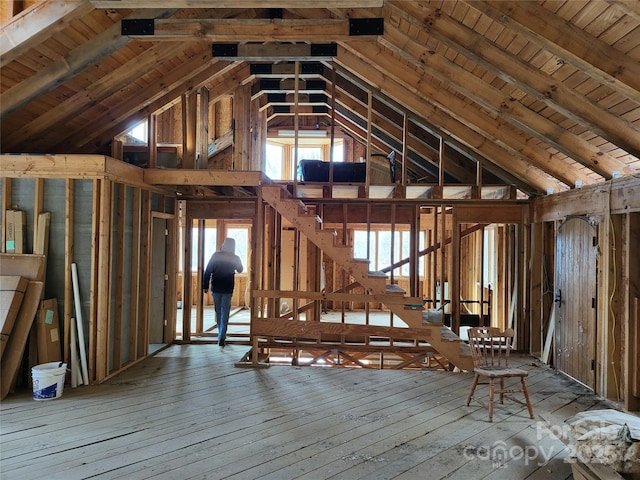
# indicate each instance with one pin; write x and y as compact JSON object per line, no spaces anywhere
{"x":318,"y":190}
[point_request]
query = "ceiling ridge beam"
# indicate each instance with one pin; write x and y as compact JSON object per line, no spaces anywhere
{"x":513,"y":70}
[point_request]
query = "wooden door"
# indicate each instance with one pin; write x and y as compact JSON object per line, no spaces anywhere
{"x":575,"y":300}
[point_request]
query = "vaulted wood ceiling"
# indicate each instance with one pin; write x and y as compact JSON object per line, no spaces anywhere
{"x":542,"y":94}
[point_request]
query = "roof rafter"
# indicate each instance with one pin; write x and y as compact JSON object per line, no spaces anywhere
{"x":401,"y":87}
{"x":40,"y":20}
{"x":446,"y":107}
{"x":62,"y":69}
{"x":505,"y":107}
{"x":510,"y":68}
{"x":591,"y":55}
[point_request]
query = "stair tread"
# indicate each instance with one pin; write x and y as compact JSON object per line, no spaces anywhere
{"x":448,"y":334}
{"x":393,"y":288}
{"x":377,"y":274}
{"x":432,"y":316}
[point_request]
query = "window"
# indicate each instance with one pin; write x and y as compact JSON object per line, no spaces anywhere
{"x":210,"y":237}
{"x":489,"y":257}
{"x":274,"y":161}
{"x":241,"y":236}
{"x":280,"y":160}
{"x":380,"y":249}
{"x":309,"y":153}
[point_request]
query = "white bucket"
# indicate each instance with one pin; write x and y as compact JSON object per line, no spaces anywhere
{"x":48,"y":380}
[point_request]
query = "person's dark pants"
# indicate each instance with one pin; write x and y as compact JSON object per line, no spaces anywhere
{"x":222,"y":305}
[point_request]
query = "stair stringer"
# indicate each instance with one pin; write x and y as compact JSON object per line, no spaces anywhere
{"x":295,"y":211}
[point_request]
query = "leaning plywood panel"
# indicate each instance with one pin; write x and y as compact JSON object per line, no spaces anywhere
{"x":18,"y":338}
{"x":29,"y":266}
{"x":12,"y":289}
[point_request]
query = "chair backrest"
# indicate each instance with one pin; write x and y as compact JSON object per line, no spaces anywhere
{"x":490,"y":347}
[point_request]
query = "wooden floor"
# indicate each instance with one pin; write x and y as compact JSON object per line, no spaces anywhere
{"x":189,"y":413}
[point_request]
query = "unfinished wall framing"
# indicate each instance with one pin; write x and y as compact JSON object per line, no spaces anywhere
{"x":101,"y":214}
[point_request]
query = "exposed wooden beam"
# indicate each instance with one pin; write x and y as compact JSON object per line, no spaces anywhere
{"x":421,"y":129}
{"x":39,"y":21}
{"x":252,"y":30}
{"x":39,"y":132}
{"x":587,"y":53}
{"x":180,"y":176}
{"x":57,"y":72}
{"x":504,"y":106}
{"x":512,"y":69}
{"x":620,"y":196}
{"x":110,"y":4}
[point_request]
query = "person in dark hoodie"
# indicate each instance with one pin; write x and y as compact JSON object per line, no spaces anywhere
{"x":219,"y":276}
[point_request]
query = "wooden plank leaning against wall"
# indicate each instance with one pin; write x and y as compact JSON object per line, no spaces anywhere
{"x":615,"y":207}
{"x":108,"y":258}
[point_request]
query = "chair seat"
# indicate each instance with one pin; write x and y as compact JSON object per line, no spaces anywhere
{"x":490,"y":351}
{"x":501,"y":372}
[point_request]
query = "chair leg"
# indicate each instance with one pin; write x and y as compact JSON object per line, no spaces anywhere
{"x":502,"y":390}
{"x":491,"y":396}
{"x":526,"y":396}
{"x":473,"y":389}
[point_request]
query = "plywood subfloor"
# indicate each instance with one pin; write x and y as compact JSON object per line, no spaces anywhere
{"x":188,"y":413}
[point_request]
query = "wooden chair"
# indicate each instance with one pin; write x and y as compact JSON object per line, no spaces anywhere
{"x":490,"y":351}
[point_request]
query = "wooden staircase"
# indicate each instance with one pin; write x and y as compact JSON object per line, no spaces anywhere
{"x":441,"y":338}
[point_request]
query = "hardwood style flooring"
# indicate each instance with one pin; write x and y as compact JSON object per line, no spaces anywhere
{"x":189,"y":413}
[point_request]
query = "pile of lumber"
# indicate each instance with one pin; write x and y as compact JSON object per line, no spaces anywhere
{"x":21,"y":284}
{"x":21,"y":299}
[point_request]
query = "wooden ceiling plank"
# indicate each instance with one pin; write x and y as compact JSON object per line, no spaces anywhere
{"x":500,"y":133}
{"x":513,"y":70}
{"x":252,"y":30}
{"x":92,"y":95}
{"x":630,"y":7}
{"x":62,"y":69}
{"x":586,"y":52}
{"x":505,"y":107}
{"x":111,"y":4}
{"x":36,"y":23}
